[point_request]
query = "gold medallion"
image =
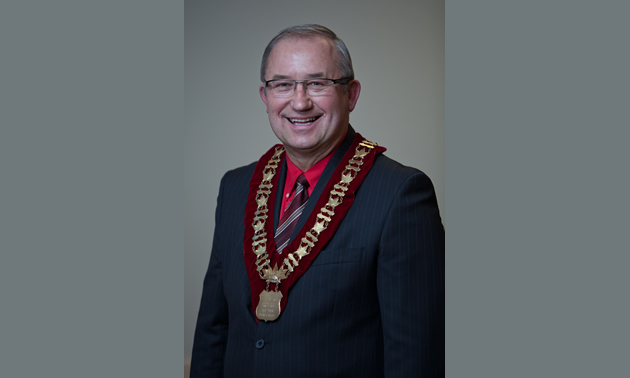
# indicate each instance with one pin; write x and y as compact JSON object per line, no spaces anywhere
{"x":268,"y":308}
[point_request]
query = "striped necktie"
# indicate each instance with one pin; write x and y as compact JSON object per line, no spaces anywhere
{"x":291,"y":215}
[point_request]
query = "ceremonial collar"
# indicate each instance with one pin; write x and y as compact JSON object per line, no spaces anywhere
{"x":264,"y":265}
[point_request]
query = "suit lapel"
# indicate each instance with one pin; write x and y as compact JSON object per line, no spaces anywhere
{"x":281,"y":179}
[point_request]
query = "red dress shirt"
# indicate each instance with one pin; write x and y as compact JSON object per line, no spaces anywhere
{"x":312,"y":176}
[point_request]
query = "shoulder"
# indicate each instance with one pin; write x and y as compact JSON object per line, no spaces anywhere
{"x":389,"y":181}
{"x":395,"y":173}
{"x":238,"y":176}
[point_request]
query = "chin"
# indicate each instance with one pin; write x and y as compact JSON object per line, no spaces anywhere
{"x":300,"y":145}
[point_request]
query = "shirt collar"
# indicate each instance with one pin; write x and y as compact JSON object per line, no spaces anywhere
{"x":312,"y":174}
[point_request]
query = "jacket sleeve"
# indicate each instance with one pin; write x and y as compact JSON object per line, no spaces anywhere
{"x":212,"y":322}
{"x":410,"y":281}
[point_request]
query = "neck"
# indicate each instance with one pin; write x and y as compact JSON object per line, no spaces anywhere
{"x":305,"y":159}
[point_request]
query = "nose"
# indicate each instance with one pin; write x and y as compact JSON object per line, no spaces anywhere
{"x":301,"y":100}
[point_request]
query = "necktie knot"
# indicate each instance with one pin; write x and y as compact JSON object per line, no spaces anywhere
{"x":301,"y":180}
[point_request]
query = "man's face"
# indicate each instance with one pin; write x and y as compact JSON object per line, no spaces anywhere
{"x":308,"y":126}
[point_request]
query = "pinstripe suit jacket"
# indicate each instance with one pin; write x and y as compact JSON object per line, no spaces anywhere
{"x":370,"y":305}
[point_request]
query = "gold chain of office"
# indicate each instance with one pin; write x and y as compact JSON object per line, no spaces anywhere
{"x":259,"y":240}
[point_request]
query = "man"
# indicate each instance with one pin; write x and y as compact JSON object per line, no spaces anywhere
{"x":348,"y":279}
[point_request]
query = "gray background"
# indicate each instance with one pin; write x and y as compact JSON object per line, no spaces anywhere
{"x":397,"y":49}
{"x":91,"y":199}
{"x":537,"y":186}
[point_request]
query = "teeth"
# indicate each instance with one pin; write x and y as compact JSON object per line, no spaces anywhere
{"x":299,"y":120}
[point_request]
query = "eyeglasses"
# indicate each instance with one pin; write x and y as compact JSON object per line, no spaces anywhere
{"x":314,"y":87}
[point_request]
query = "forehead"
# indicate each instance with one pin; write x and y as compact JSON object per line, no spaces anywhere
{"x":293,"y":57}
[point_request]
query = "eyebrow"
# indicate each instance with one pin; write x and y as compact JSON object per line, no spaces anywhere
{"x":315,"y":75}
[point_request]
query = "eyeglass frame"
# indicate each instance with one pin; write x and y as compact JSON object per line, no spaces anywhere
{"x":343,"y":80}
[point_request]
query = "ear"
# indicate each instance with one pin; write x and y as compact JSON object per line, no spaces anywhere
{"x":354,"y":90}
{"x":263,"y":95}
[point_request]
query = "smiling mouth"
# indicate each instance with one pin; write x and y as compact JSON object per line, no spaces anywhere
{"x":303,"y":121}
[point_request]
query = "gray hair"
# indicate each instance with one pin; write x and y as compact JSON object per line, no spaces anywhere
{"x":343,"y":60}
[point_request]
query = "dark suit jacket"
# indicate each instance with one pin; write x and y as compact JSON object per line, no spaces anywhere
{"x":370,"y":305}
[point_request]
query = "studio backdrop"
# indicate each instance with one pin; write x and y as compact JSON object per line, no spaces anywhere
{"x":397,"y":49}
